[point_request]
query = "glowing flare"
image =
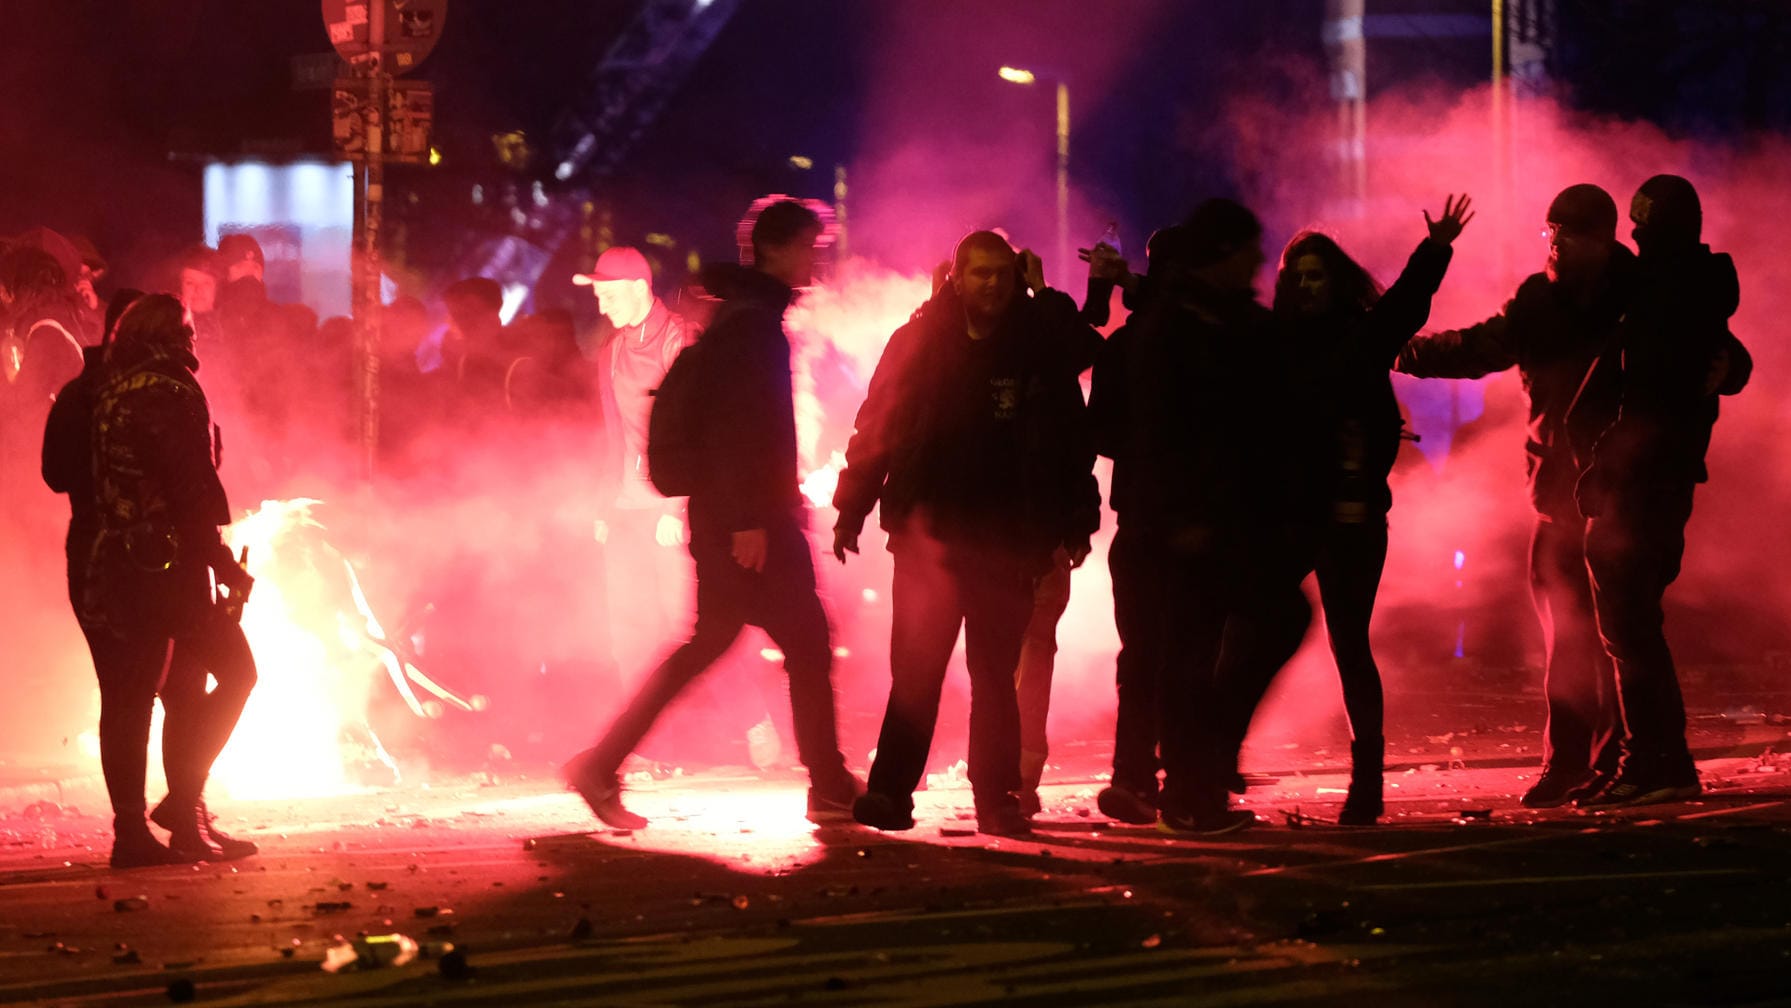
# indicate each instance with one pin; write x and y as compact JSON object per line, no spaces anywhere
{"x":1016,"y":75}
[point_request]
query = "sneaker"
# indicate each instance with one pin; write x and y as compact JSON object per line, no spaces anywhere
{"x":1124,"y":805}
{"x":880,"y":811}
{"x":602,"y":792}
{"x":1629,"y":790}
{"x":834,"y":802}
{"x":1552,"y":789}
{"x":1593,"y":787}
{"x":1004,"y":821}
{"x":1213,"y":824}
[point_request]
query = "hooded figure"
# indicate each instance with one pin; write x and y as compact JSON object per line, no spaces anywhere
{"x":148,"y":581}
{"x":1647,"y":406}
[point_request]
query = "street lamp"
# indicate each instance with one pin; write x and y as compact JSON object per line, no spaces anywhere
{"x":1024,"y":77}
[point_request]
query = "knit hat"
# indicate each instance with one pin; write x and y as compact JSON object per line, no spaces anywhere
{"x":1216,"y":229}
{"x":1585,"y":209}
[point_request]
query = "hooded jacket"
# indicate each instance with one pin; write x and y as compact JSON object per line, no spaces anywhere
{"x":1644,"y":413}
{"x":978,"y":442}
{"x":749,"y":477}
{"x":157,"y":495}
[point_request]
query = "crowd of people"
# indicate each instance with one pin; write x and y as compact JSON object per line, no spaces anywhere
{"x":1251,"y":447}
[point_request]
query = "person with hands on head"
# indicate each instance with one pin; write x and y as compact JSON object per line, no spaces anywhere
{"x":973,"y":439}
{"x":753,"y":564}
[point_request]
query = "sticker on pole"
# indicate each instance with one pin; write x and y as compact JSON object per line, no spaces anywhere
{"x":409,"y":31}
{"x":403,"y":128}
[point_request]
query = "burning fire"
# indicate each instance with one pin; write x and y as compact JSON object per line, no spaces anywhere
{"x":317,"y":647}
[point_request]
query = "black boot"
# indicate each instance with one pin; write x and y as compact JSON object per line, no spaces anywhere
{"x":1362,"y":806}
{"x":133,"y":846}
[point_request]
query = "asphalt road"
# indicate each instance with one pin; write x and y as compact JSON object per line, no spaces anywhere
{"x":731,"y":898}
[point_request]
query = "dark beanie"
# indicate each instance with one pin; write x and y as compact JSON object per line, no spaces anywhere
{"x":1219,"y":227}
{"x":1585,"y":209}
{"x":1667,"y":206}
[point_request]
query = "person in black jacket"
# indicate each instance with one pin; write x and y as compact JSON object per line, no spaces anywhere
{"x":1551,"y":331}
{"x":753,"y":564}
{"x":146,"y":588}
{"x":973,"y":438}
{"x":1335,"y":313}
{"x":1642,"y":467}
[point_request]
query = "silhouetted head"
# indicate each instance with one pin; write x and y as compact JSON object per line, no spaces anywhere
{"x":115,"y":310}
{"x":1224,"y":245}
{"x":783,"y":242}
{"x":240,"y":255}
{"x":1581,"y":229}
{"x":985,"y":274}
{"x":29,"y":275}
{"x":475,"y":307}
{"x":1317,"y":277}
{"x":154,"y":325}
{"x":1667,"y":215}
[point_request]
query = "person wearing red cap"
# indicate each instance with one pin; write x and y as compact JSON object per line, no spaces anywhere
{"x":638,"y":527}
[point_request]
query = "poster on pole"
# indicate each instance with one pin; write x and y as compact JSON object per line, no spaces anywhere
{"x":411,"y":30}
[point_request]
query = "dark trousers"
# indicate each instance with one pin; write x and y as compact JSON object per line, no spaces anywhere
{"x":1350,"y":560}
{"x":1201,"y":586}
{"x":1577,"y":680}
{"x":782,"y":601}
{"x":1236,"y":615}
{"x":133,"y":669}
{"x":1268,"y":620}
{"x":1633,"y":552}
{"x":939,"y":590}
{"x":1141,"y":613}
{"x":198,"y":723}
{"x":1033,"y":674}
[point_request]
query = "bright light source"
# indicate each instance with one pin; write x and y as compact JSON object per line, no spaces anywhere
{"x":801,"y":162}
{"x":435,"y":155}
{"x":1015,"y":75}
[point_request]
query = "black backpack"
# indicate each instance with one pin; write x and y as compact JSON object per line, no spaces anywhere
{"x":677,"y":425}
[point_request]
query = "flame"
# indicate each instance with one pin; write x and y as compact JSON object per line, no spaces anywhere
{"x":315,"y":675}
{"x":818,"y":486}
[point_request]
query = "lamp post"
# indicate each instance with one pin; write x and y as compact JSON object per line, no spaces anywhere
{"x":1023,"y":77}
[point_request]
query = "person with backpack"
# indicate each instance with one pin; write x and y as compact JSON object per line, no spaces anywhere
{"x":131,"y":441}
{"x":723,"y":433}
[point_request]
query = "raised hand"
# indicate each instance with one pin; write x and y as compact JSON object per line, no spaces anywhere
{"x":1445,"y":229}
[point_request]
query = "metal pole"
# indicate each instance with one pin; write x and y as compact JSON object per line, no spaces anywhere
{"x":1501,"y":137}
{"x":1063,"y":181}
{"x":371,"y":303}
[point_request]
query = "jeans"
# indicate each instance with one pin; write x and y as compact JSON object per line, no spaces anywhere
{"x":938,"y":590}
{"x":1577,"y":680}
{"x":1032,"y":676}
{"x":1633,"y":552}
{"x":782,"y":601}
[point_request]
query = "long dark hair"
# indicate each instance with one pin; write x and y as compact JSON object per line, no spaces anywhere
{"x":1352,"y":287}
